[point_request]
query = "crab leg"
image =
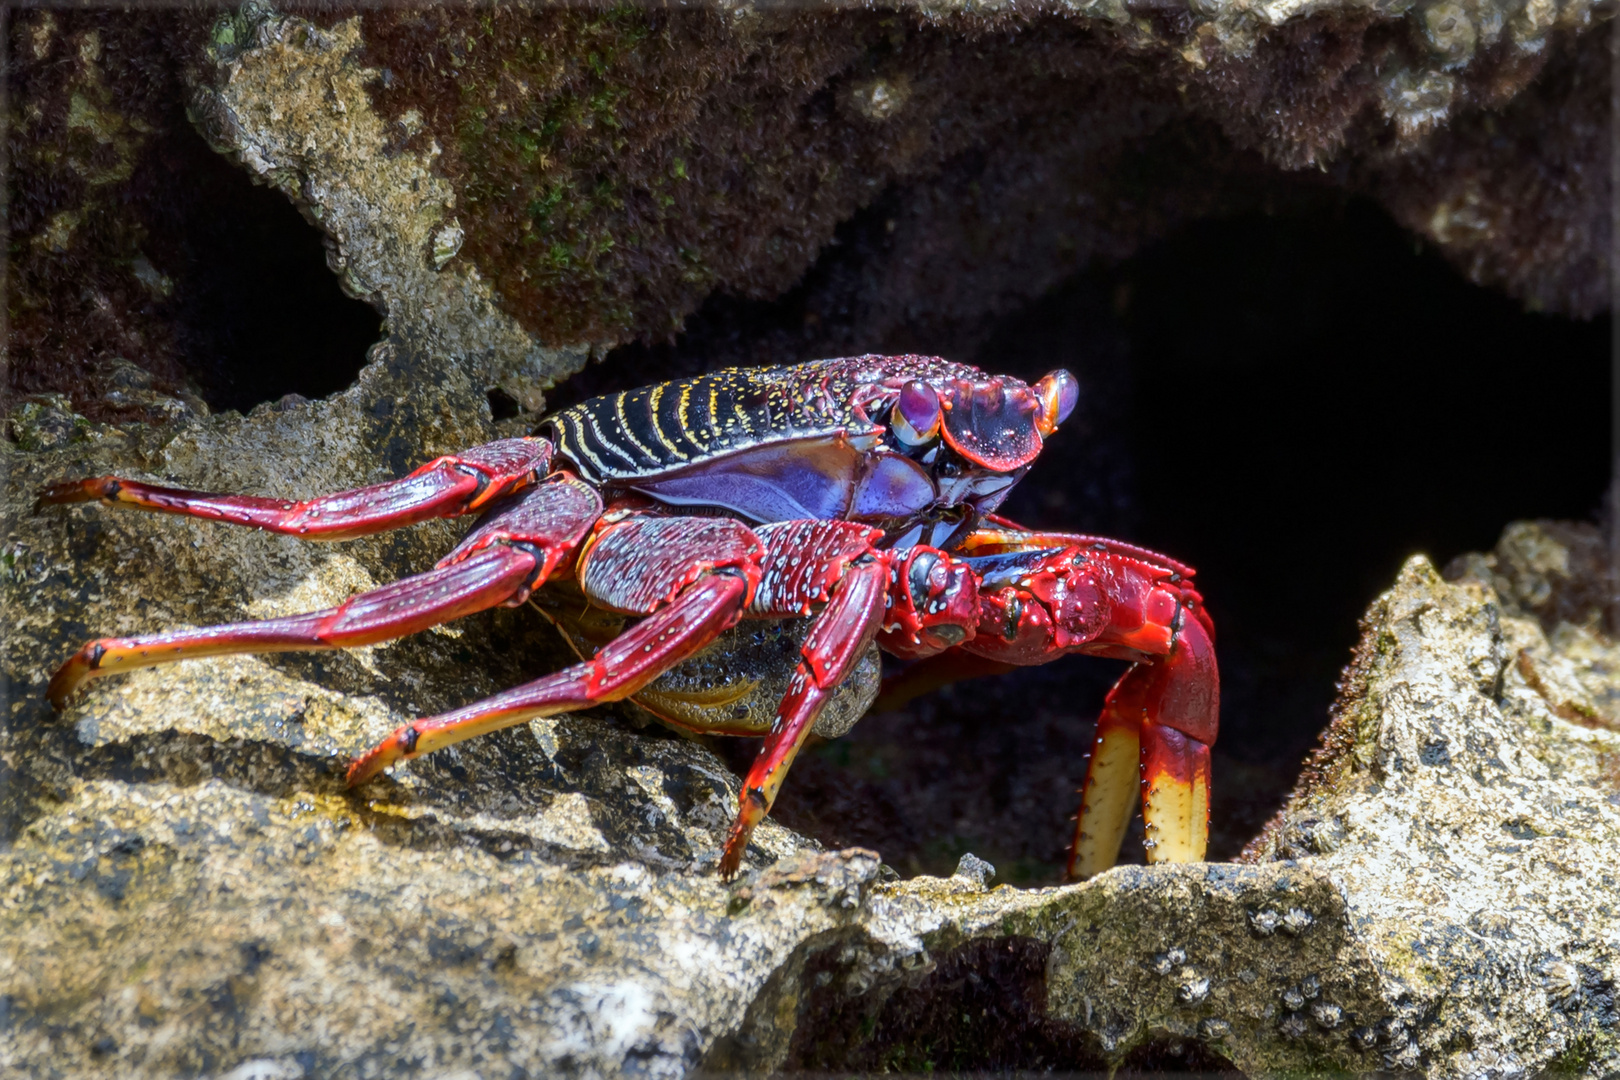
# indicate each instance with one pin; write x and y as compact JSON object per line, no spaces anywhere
{"x":703,"y":611}
{"x":400,"y":608}
{"x":444,"y":487}
{"x":809,"y":562}
{"x":501,"y":562}
{"x":1137,"y":748}
{"x":1109,"y":794}
{"x":691,"y":577}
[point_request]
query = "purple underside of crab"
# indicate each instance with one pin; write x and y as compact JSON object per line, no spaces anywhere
{"x":852,"y":499}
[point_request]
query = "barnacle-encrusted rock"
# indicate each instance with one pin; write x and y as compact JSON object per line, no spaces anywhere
{"x":1466,"y":804}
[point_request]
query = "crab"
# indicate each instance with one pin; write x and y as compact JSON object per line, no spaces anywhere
{"x":727,"y":549}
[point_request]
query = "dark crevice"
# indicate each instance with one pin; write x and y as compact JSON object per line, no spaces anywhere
{"x":981,"y":1010}
{"x":1316,"y":400}
{"x":260,"y":315}
{"x":823,"y":315}
{"x":183,"y":267}
{"x":502,"y":406}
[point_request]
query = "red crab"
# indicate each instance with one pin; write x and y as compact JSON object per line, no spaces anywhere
{"x":857,"y":494}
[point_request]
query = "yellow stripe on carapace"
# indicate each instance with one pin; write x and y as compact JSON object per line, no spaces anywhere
{"x":624,"y":426}
{"x":589,"y":420}
{"x":657,"y":425}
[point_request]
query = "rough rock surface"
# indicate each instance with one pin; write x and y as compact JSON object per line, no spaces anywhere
{"x":1466,"y":805}
{"x":522,"y":186}
{"x":292,"y":105}
{"x":188,"y":889}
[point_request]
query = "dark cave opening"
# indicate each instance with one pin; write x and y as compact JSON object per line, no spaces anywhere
{"x":261,"y":315}
{"x":1294,"y":403}
{"x":1350,"y":401}
{"x":188,"y":269}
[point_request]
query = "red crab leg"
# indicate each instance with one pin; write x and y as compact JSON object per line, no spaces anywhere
{"x":400,"y":608}
{"x":1111,"y":786}
{"x":444,"y":487}
{"x":1132,"y":754}
{"x":703,"y":611}
{"x":998,"y":534}
{"x":501,"y":562}
{"x":695,"y":576}
{"x":808,"y":562}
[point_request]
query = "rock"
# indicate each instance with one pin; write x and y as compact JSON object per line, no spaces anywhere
{"x":293,"y":105}
{"x":1466,"y":804}
{"x":1556,"y":572}
{"x":521,"y":188}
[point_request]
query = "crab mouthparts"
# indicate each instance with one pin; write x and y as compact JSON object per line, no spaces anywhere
{"x":993,"y":425}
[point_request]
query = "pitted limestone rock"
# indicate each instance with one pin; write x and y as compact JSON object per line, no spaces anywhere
{"x":1466,"y":804}
{"x":291,"y":104}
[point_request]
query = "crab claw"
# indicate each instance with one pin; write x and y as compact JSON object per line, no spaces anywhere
{"x":1154,"y":733}
{"x":1175,"y":794}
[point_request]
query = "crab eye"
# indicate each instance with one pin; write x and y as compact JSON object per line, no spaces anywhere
{"x":916,"y":415}
{"x":1058,"y":394}
{"x":919,"y":582}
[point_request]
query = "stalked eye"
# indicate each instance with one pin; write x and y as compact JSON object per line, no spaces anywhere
{"x":1059,"y":392}
{"x":915,"y":419}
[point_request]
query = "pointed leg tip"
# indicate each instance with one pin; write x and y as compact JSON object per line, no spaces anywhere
{"x":752,"y":808}
{"x":75,"y":491}
{"x":363,"y":768}
{"x":79,"y":669}
{"x":61,"y":689}
{"x":401,"y":745}
{"x":731,"y":857}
